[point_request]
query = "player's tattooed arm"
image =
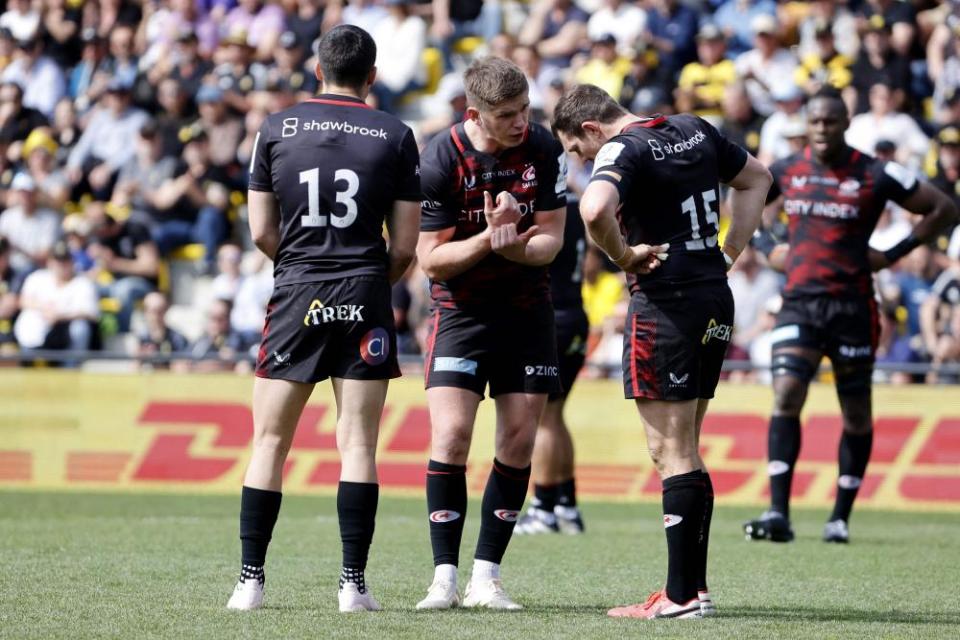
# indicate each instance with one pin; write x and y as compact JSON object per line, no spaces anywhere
{"x":598,"y":208}
{"x":263,"y":215}
{"x":403,"y":227}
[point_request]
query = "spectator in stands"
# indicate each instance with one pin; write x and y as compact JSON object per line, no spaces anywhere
{"x":842,"y":24}
{"x":539,"y":79}
{"x":883,"y":122}
{"x":9,"y":297}
{"x":366,"y":14}
{"x":30,"y":229}
{"x":878,"y":62}
{"x":16,"y":120}
{"x":305,"y":18}
{"x":940,"y":322}
{"x":39,"y":155}
{"x":189,"y":67}
{"x":216,"y":349}
{"x":946,"y":175}
{"x":235,"y":74}
{"x":139,"y":181}
{"x":176,"y":113}
{"x":644,"y":90}
{"x":42,"y":80}
{"x":944,"y":69}
{"x":21,"y":18}
{"x":735,"y":18}
{"x":163,"y":29}
{"x":191,"y":205}
{"x":224,"y":130}
{"x":672,"y":30}
{"x":229,"y":276}
{"x":703,"y":83}
{"x":557,"y":29}
{"x":824,"y":67}
{"x":901,"y":18}
{"x":625,"y":21}
{"x":58,"y":307}
{"x":289,"y":76}
{"x":156,"y":338}
{"x":121,"y":64}
{"x":766,"y":65}
{"x":105,"y":145}
{"x":263,"y":23}
{"x":86,"y":80}
{"x":741,"y":123}
{"x":65,"y":130}
{"x":126,"y":261}
{"x":251,"y":123}
{"x":753,"y":287}
{"x":250,"y":303}
{"x":605,"y":68}
{"x":788,"y":99}
{"x":456,"y":19}
{"x":448,"y":109}
{"x":401,"y":38}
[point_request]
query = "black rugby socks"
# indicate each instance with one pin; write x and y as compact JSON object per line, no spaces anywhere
{"x":683,"y":509}
{"x":853,"y":458}
{"x":783,"y":449}
{"x":502,"y":501}
{"x":258,"y":515}
{"x":357,"y":513}
{"x":447,"y":509}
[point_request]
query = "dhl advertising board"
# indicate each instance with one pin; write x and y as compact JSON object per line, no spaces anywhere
{"x":62,"y":430}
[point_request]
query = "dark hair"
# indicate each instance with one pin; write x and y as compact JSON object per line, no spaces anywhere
{"x":584,"y":102}
{"x":491,"y":81}
{"x":347,"y":54}
{"x":833,"y":95}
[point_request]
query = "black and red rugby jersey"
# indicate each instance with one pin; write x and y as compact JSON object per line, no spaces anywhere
{"x":454,"y":177}
{"x":668,"y":171}
{"x":336,"y":167}
{"x":831,"y":213}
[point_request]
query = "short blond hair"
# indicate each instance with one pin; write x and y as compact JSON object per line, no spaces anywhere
{"x":491,"y":81}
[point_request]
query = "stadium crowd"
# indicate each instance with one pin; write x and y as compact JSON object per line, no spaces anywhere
{"x":126,"y":130}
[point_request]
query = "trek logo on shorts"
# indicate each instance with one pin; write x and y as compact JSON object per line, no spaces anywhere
{"x":456,"y":365}
{"x":319,"y":314}
{"x":716,"y":331}
{"x":542,"y":370}
{"x":375,"y":346}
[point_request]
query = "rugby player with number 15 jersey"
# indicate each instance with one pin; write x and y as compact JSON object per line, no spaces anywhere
{"x":324,"y":177}
{"x":657,"y":180}
{"x":492,"y":319}
{"x":833,"y":196}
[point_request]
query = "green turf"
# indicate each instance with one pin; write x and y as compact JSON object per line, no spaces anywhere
{"x":125,"y":566}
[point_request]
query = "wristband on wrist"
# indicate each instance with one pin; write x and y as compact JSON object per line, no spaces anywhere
{"x":764,"y":242}
{"x":901,"y":249}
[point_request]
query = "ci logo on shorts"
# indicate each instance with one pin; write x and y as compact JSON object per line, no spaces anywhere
{"x":375,"y":346}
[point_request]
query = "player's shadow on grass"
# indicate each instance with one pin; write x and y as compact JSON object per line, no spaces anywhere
{"x":844,"y":615}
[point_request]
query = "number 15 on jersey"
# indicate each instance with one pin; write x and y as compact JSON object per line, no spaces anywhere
{"x":689,"y":207}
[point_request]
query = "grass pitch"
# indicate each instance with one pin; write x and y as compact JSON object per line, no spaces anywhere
{"x":132,"y":566}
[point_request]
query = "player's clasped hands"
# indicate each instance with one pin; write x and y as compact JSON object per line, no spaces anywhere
{"x":643,"y":258}
{"x":502,"y":218}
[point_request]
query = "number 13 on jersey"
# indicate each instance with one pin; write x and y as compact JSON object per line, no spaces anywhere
{"x":689,"y":207}
{"x":313,"y":218}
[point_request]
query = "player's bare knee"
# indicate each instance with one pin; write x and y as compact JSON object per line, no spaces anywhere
{"x":271,"y":445}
